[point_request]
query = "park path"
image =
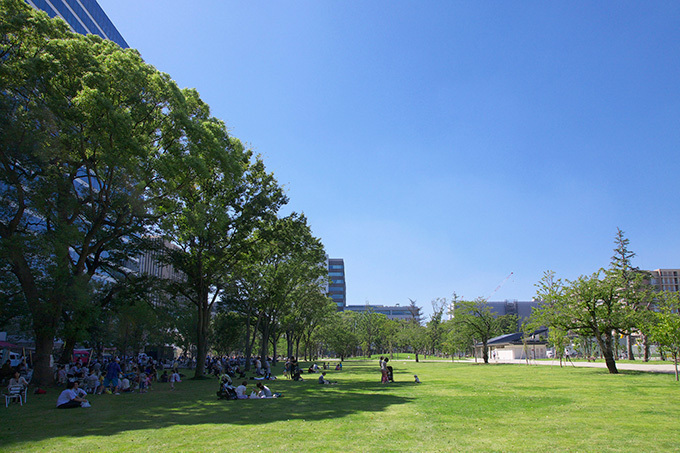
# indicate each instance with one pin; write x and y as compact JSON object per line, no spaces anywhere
{"x":651,"y":367}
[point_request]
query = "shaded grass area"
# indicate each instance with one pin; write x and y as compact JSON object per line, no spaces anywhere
{"x":459,"y":406}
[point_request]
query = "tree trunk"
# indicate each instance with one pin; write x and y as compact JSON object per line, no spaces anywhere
{"x":645,"y":345}
{"x":264,"y":345}
{"x":608,"y":352}
{"x":251,"y":343}
{"x":202,"y":339}
{"x":45,"y":316}
{"x":42,"y":372}
{"x":417,"y":358}
{"x":289,"y":343}
{"x":485,"y":352}
{"x":67,"y":351}
{"x":629,"y":345}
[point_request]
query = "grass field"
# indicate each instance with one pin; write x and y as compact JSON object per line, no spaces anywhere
{"x":458,"y":407}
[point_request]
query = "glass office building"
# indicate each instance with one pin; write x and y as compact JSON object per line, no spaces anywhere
{"x":337,"y":289}
{"x":83,"y":16}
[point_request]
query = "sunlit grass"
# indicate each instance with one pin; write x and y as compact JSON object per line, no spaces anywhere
{"x":459,"y":406}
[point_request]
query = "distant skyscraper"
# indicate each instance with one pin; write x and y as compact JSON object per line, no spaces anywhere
{"x":83,"y":16}
{"x":337,"y":288}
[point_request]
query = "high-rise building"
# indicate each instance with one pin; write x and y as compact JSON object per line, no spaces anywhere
{"x":83,"y":16}
{"x":665,"y":279}
{"x":337,"y":288}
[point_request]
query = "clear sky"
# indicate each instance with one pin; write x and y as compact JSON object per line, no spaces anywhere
{"x":438,"y":146}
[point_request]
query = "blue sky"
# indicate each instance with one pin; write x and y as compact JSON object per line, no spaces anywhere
{"x":438,"y":146}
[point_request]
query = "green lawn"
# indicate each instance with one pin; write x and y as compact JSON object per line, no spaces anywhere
{"x":459,"y":406}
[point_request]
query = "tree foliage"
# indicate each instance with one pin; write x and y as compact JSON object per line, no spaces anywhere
{"x":92,"y":140}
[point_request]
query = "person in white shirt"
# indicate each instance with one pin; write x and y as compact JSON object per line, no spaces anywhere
{"x":264,"y":391}
{"x":69,"y":398}
{"x":174,"y":378}
{"x":241,"y":391}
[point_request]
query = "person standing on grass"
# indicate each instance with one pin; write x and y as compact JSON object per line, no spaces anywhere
{"x":69,"y":398}
{"x":383,"y":370}
{"x":112,"y":372}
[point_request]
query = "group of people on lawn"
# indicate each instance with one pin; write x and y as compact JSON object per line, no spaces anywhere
{"x":111,"y":377}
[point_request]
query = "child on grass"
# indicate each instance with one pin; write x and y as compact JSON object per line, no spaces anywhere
{"x":174,"y":378}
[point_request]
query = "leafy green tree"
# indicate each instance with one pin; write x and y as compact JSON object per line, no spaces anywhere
{"x":665,"y":328}
{"x":291,"y":265}
{"x":589,"y":306}
{"x":91,"y":141}
{"x":435,"y":330}
{"x":457,"y":340}
{"x":226,"y":333}
{"x":413,"y":336}
{"x":338,"y":336}
{"x":479,"y":323}
{"x":212,"y":220}
{"x":634,"y":291}
{"x":370,"y":329}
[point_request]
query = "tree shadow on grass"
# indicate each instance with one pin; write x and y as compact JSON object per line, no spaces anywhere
{"x":193,"y":403}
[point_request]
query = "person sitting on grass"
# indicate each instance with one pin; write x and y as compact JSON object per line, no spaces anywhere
{"x":264,"y":391}
{"x":241,"y":391}
{"x":69,"y":398}
{"x":417,"y":380}
{"x":174,"y":378}
{"x":323,"y":380}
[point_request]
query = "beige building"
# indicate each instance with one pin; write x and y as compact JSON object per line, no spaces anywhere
{"x":665,"y":279}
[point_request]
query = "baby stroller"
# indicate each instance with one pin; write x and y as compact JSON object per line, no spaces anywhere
{"x":226,"y":391}
{"x":390,"y":374}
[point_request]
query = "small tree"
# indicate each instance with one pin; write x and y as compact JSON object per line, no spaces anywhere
{"x":480,"y":322}
{"x":665,"y":329}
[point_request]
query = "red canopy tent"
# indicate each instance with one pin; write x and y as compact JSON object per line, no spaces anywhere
{"x":4,"y":344}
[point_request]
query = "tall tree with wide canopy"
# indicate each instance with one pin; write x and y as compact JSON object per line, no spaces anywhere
{"x":212,"y":220}
{"x":91,"y":140}
{"x":290,"y":268}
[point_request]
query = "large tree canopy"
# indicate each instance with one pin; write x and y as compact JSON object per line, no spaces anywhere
{"x":92,"y":139}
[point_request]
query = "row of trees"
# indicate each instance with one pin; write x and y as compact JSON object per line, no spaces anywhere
{"x":104,"y":159}
{"x":607,"y":305}
{"x":366,"y":333}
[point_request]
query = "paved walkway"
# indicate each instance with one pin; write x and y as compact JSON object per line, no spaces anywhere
{"x":653,"y":367}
